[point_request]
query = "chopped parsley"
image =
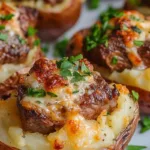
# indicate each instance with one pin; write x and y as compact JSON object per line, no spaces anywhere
{"x":135,"y":95}
{"x":6,"y":17}
{"x":136,"y":29}
{"x":76,"y":91}
{"x":134,"y":2}
{"x":134,"y":18}
{"x":60,"y":48}
{"x":3,"y":36}
{"x":125,"y":27}
{"x":71,"y":67}
{"x":51,"y":94}
{"x":33,"y":92}
{"x":138,"y":43}
{"x":136,"y":147}
{"x":21,"y":40}
{"x":93,"y":4}
{"x":38,"y":102}
{"x":45,"y":48}
{"x":37,"y":42}
{"x":145,"y":124}
{"x":2,"y":27}
{"x":31,"y":31}
{"x":98,"y":34}
{"x":114,"y":60}
{"x":77,"y":77}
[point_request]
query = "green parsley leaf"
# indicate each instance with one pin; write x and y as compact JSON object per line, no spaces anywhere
{"x":21,"y":40}
{"x":3,"y":37}
{"x":60,"y":48}
{"x":36,"y":92}
{"x":134,"y":18}
{"x":2,"y":27}
{"x":114,"y":60}
{"x":37,"y":42}
{"x":65,"y":72}
{"x":136,"y":147}
{"x":38,"y":102}
{"x":31,"y":31}
{"x":77,"y":77}
{"x":135,"y":95}
{"x":52,"y":94}
{"x":145,"y":124}
{"x":85,"y":69}
{"x":136,"y":29}
{"x":125,"y":27}
{"x":6,"y":17}
{"x":66,"y":65}
{"x":75,"y":58}
{"x":45,"y":48}
{"x":76,"y":91}
{"x":138,"y":43}
{"x":134,"y":2}
{"x":93,"y":4}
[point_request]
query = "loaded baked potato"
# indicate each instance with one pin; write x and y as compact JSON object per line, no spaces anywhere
{"x":119,"y":47}
{"x":66,"y":105}
{"x":54,"y":16}
{"x":18,"y":47}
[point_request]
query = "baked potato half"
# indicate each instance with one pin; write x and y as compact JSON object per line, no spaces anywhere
{"x":54,"y":16}
{"x":119,"y":48}
{"x":18,"y":47}
{"x":66,"y":105}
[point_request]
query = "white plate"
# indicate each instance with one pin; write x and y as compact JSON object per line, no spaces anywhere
{"x":86,"y":20}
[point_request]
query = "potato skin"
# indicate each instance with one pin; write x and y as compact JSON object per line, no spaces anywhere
{"x":121,"y":141}
{"x":51,"y":25}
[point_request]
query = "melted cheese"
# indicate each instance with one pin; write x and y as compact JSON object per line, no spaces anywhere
{"x":133,"y":77}
{"x":77,"y":133}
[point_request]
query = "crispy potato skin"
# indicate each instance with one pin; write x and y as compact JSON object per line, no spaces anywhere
{"x":51,"y":25}
{"x":121,"y":141}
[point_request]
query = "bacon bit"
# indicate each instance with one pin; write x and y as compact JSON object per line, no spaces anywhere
{"x":136,"y":61}
{"x":46,"y":72}
{"x":58,"y":145}
{"x":73,"y":126}
{"x":122,"y":89}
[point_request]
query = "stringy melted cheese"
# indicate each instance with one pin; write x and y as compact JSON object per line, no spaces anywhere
{"x":77,"y":133}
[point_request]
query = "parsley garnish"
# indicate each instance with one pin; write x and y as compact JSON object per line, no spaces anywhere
{"x":37,"y":42}
{"x":136,"y":29}
{"x":38,"y":102}
{"x":3,"y":37}
{"x":136,"y":147}
{"x":76,"y":91}
{"x":36,"y":92}
{"x":52,"y":94}
{"x":134,"y":18}
{"x":125,"y":27}
{"x":2,"y":27}
{"x":6,"y":17}
{"x":31,"y":31}
{"x":69,"y":68}
{"x":114,"y":60}
{"x":60,"y":48}
{"x":145,"y":124}
{"x":93,"y":4}
{"x":21,"y":40}
{"x":45,"y":48}
{"x":138,"y":43}
{"x":135,"y":95}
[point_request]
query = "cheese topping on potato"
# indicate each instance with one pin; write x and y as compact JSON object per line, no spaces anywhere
{"x":17,"y":50}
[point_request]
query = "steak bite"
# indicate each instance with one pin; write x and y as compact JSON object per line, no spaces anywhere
{"x":116,"y":43}
{"x":53,"y":89}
